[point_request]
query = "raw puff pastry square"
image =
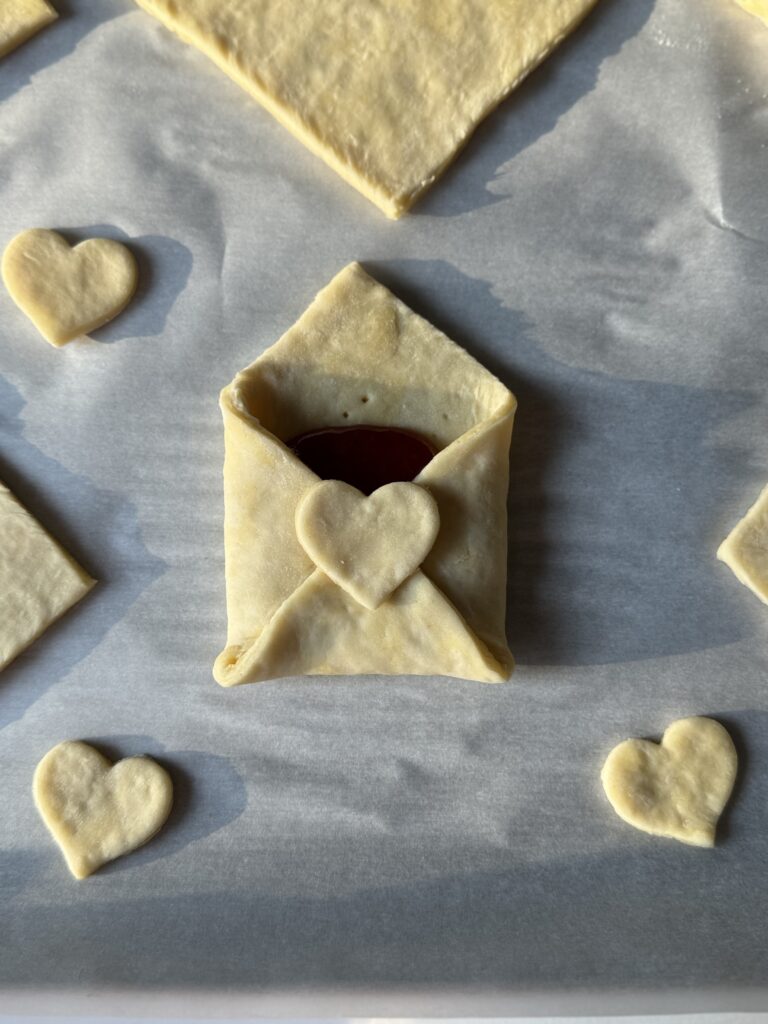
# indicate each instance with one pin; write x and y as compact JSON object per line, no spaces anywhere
{"x":38,"y":579}
{"x":385,"y":91}
{"x":286,"y":617}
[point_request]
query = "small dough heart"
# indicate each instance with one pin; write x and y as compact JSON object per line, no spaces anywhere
{"x":676,"y":788}
{"x":67,"y":292}
{"x":367,"y":545}
{"x":97,"y":811}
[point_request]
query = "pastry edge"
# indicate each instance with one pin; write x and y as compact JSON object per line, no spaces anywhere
{"x":393,"y":206}
{"x":31,"y":29}
{"x":228,"y":666}
{"x":728,"y":552}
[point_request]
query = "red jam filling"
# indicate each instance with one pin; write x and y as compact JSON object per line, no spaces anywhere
{"x":365,"y":457}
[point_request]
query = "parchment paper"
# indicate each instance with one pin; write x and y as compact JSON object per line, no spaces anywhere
{"x":601,"y":246}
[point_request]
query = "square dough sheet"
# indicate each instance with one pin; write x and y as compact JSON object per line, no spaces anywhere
{"x":385,"y":91}
{"x":39,"y":581}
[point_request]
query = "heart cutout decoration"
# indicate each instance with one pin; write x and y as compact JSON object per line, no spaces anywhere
{"x":97,"y":811}
{"x":68,"y":291}
{"x":676,"y":788}
{"x":367,"y":545}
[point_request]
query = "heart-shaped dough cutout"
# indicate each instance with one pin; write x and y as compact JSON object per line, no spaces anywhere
{"x":676,"y":788}
{"x":95,"y":810}
{"x":68,"y":291}
{"x":367,"y":545}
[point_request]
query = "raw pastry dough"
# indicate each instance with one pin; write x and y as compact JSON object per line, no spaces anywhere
{"x":68,"y":291}
{"x":677,"y":788}
{"x":745,"y":549}
{"x":20,"y":20}
{"x":38,"y":579}
{"x":359,"y":356}
{"x":757,"y":7}
{"x":367,"y":545}
{"x":97,"y":811}
{"x":385,"y":91}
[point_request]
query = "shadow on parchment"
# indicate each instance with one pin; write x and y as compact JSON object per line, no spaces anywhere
{"x":207,"y":795}
{"x":76,"y":19}
{"x":164,"y":266}
{"x":112,"y":551}
{"x":613,"y":506}
{"x":535,"y":107}
{"x":649,"y":913}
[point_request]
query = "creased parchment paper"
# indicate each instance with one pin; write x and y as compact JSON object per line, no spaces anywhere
{"x":600,"y":246}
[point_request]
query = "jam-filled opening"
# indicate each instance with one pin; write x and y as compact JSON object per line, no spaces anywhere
{"x":365,"y":456}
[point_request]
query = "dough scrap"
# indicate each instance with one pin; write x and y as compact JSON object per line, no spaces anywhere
{"x":757,"y":7}
{"x":68,"y":291}
{"x":367,"y":545}
{"x":745,"y":549}
{"x":97,"y":811}
{"x":677,"y":788}
{"x":385,"y":91}
{"x":39,"y":581}
{"x":359,"y":356}
{"x":22,"y":19}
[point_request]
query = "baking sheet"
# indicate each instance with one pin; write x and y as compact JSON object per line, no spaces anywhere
{"x":601,"y":246}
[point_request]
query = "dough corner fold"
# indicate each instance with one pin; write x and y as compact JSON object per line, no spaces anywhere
{"x":757,"y":7}
{"x":39,"y":581}
{"x":22,"y":19}
{"x":745,"y":549}
{"x":386,"y":92}
{"x":360,"y":357}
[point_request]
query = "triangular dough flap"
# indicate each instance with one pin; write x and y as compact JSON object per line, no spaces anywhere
{"x":360,"y":356}
{"x":321,"y":630}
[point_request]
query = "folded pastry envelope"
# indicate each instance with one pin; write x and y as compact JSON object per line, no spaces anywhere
{"x":385,"y":91}
{"x":359,"y":356}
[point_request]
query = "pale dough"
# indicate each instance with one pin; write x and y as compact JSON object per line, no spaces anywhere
{"x":68,"y":291}
{"x":20,"y":20}
{"x":97,"y":811}
{"x":38,"y":579}
{"x":367,"y":545}
{"x":757,"y":7}
{"x":385,"y":91}
{"x":677,"y":788}
{"x":360,"y":356}
{"x":745,"y":549}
